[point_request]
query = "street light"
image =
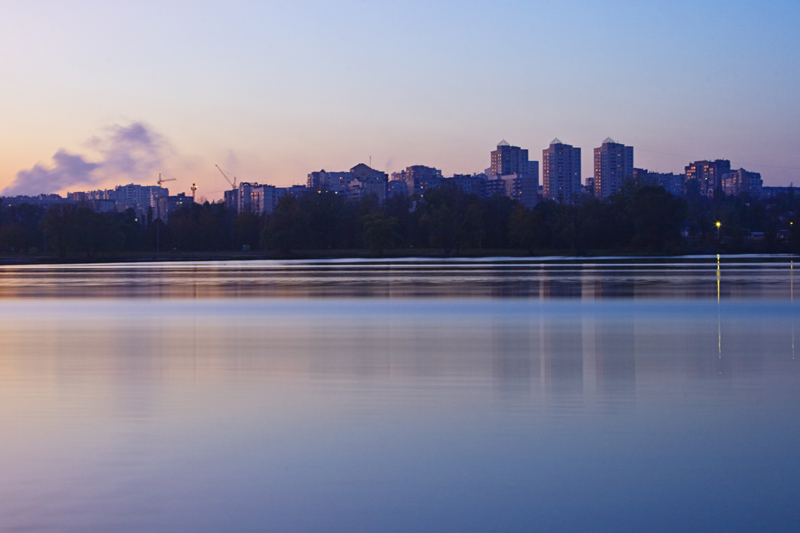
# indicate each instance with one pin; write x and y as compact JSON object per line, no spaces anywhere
{"x":718,"y":225}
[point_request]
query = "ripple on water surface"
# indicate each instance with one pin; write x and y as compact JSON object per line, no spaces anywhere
{"x":400,"y":396}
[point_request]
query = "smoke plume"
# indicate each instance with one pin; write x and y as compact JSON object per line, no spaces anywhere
{"x":130,"y":153}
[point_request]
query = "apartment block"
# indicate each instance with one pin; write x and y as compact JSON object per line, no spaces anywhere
{"x":561,"y":172}
{"x":613,"y":163}
{"x":739,"y":181}
{"x":708,"y":174}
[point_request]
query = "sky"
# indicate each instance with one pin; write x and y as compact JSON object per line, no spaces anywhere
{"x":95,"y":94}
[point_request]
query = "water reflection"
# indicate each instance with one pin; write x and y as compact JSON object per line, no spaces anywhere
{"x":755,"y":277}
{"x":615,"y":359}
{"x":574,"y":408}
{"x":515,"y":362}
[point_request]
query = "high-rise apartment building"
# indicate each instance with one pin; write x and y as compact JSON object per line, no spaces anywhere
{"x":613,"y":162}
{"x":140,"y":195}
{"x":561,"y":171}
{"x":256,"y":198}
{"x":708,"y":174}
{"x":739,"y":181}
{"x":512,"y":175}
{"x":509,"y":159}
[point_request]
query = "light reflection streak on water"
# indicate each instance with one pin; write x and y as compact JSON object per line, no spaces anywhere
{"x":719,"y":319}
{"x":387,"y":279}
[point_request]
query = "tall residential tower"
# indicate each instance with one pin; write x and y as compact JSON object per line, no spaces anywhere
{"x":512,"y":175}
{"x":509,"y":159}
{"x":613,"y":162}
{"x":561,"y":172}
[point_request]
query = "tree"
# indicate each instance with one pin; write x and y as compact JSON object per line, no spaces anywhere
{"x":521,"y":228}
{"x":247,"y":229}
{"x":288,"y":225}
{"x":199,"y":227}
{"x":657,"y":219}
{"x":380,"y":231}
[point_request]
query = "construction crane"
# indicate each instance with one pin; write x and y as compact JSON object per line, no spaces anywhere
{"x":232,"y":183}
{"x":162,"y":180}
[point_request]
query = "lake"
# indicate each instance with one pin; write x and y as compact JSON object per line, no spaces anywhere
{"x":611,"y":394}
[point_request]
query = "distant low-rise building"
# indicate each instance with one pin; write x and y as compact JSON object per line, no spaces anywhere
{"x":370,"y":181}
{"x":231,"y":199}
{"x":168,"y":204}
{"x":103,"y":206}
{"x":396,"y":187}
{"x":77,"y":196}
{"x":139,"y":196}
{"x":469,"y":183}
{"x":419,"y":178}
{"x":672,"y":183}
{"x":521,"y":187}
{"x":359,"y":182}
{"x":257,"y":198}
{"x":294,"y":190}
{"x":772,"y":192}
{"x":43,"y":200}
{"x":143,"y":199}
{"x":336,"y":182}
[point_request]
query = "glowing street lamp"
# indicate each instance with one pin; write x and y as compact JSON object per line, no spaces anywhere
{"x":718,"y":226}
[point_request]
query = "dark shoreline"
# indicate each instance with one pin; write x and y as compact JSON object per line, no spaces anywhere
{"x":312,"y":255}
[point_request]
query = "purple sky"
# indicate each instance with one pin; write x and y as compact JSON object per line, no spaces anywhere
{"x":271,"y":91}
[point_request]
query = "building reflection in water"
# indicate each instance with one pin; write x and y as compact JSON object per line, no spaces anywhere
{"x":515,"y":362}
{"x":719,"y":318}
{"x":615,"y":358}
{"x":562,"y":355}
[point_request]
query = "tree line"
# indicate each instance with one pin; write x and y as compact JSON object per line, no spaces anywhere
{"x":639,"y":218}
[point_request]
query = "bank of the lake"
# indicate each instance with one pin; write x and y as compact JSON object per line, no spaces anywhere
{"x":225,"y":255}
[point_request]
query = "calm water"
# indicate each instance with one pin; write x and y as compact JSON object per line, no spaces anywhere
{"x":401,"y":396}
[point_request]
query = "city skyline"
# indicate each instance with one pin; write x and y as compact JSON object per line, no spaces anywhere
{"x":273,"y":92}
{"x":68,"y":168}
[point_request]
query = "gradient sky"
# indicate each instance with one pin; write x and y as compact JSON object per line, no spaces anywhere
{"x":274,"y":90}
